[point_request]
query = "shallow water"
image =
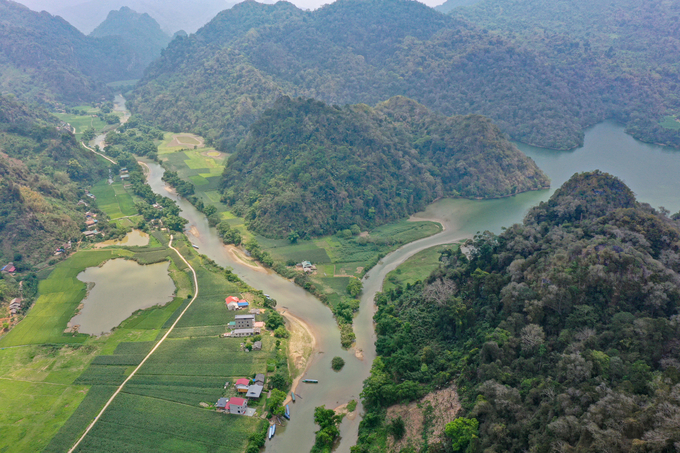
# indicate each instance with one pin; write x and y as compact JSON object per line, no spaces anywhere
{"x":648,"y":169}
{"x":121,"y":287}
{"x":133,"y":238}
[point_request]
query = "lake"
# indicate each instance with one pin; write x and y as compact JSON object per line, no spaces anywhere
{"x":121,"y":287}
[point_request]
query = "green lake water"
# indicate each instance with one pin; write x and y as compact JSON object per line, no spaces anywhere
{"x":121,"y":287}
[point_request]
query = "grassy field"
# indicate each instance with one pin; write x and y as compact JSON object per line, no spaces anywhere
{"x":417,"y":267}
{"x":670,"y":122}
{"x":114,"y":200}
{"x":45,"y":377}
{"x":160,"y":408}
{"x":82,"y":122}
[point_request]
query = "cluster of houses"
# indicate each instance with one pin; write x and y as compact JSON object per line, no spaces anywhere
{"x":306,"y":267}
{"x":246,"y":326}
{"x":91,"y":224}
{"x":63,"y":248}
{"x":15,"y":306}
{"x":234,"y":303}
{"x":238,"y":405}
{"x":124,"y":173}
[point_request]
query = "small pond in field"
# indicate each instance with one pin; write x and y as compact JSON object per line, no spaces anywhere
{"x":133,"y":238}
{"x":119,"y":288}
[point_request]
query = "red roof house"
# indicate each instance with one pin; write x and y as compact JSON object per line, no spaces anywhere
{"x":237,"y":406}
{"x":242,"y":385}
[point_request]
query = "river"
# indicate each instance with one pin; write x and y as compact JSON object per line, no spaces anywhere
{"x":648,"y":169}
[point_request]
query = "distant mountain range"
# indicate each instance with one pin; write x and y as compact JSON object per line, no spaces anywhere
{"x":313,"y":168}
{"x":45,"y":59}
{"x":172,"y":15}
{"x":218,"y":81}
{"x":138,"y":31}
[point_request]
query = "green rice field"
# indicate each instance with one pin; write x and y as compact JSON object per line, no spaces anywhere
{"x":417,"y":267}
{"x":114,"y":200}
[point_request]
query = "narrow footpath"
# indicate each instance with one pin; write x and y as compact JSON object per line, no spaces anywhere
{"x":108,"y":403}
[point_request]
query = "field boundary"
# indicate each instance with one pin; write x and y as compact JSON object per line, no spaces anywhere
{"x":120,"y":387}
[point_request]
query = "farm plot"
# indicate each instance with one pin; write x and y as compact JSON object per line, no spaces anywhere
{"x":114,"y":200}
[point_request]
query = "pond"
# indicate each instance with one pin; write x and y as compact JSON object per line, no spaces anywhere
{"x":133,"y":238}
{"x":121,"y":287}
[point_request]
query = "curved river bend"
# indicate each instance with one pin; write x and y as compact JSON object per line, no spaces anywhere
{"x":649,"y":170}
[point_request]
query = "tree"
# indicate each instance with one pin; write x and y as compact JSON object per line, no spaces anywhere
{"x":337,"y":363}
{"x":462,"y":430}
{"x":274,"y":321}
{"x":209,"y":210}
{"x":274,"y":402}
{"x":293,"y":236}
{"x":74,"y":169}
{"x":281,"y":332}
{"x":328,"y":421}
{"x":89,"y":134}
{"x":355,"y":287}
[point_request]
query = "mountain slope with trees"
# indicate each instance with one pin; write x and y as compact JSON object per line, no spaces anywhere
{"x":42,"y":174}
{"x":139,"y":32}
{"x":219,"y":80}
{"x":312,"y":169}
{"x":45,"y":59}
{"x":628,"y":50}
{"x":560,"y":334}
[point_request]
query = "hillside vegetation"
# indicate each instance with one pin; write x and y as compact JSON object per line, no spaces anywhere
{"x":42,"y":174}
{"x":218,"y":81}
{"x":44,"y":59}
{"x":626,"y":50}
{"x":311,"y":168}
{"x":139,"y":32}
{"x":560,"y":334}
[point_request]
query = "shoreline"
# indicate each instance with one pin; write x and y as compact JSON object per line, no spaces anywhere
{"x":294,"y":319}
{"x":235,"y":253}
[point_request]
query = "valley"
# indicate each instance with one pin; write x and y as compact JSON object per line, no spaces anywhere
{"x":371,"y":226}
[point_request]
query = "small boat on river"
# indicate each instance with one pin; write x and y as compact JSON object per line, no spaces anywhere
{"x":287,"y":414}
{"x":194,"y":246}
{"x":310,"y":381}
{"x":292,"y":396}
{"x":272,"y":431}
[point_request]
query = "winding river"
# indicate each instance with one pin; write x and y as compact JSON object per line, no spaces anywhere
{"x":649,"y":170}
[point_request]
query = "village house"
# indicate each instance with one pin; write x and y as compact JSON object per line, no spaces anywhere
{"x":237,"y":406}
{"x":258,"y":325}
{"x":222,"y":403}
{"x":242,"y":385}
{"x":307,"y":266}
{"x":257,"y":346}
{"x":259,"y":377}
{"x":8,"y":268}
{"x":254,"y":311}
{"x":232,"y":302}
{"x":15,"y":306}
{"x":244,"y":321}
{"x":236,"y":333}
{"x":254,"y":391}
{"x":243,"y":304}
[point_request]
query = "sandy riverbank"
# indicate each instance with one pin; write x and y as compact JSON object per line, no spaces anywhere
{"x":301,"y":346}
{"x":236,"y":254}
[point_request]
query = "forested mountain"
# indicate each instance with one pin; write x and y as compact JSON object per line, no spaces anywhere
{"x":219,"y":80}
{"x":140,"y":32}
{"x":561,"y":334}
{"x":450,"y":5}
{"x":172,"y":15}
{"x":42,"y":172}
{"x":313,"y":168}
{"x":628,"y":51}
{"x":43,"y":58}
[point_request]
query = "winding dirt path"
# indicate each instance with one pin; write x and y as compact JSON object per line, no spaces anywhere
{"x":108,"y":403}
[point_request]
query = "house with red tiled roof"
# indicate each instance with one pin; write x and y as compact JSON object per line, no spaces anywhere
{"x":237,"y":406}
{"x":242,"y":385}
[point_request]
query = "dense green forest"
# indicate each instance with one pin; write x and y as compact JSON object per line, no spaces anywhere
{"x":314,"y":169}
{"x":45,"y":59}
{"x":139,"y":32}
{"x":626,"y":50}
{"x":560,"y":334}
{"x":218,"y":81}
{"x":42,"y":174}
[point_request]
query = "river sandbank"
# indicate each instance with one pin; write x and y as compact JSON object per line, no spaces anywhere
{"x":301,"y":345}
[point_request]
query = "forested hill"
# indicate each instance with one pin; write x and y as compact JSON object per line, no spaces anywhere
{"x":218,"y":81}
{"x":42,"y":172}
{"x":313,"y":168}
{"x":627,"y":49}
{"x":140,"y":32}
{"x":561,"y":334}
{"x":44,"y":59}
